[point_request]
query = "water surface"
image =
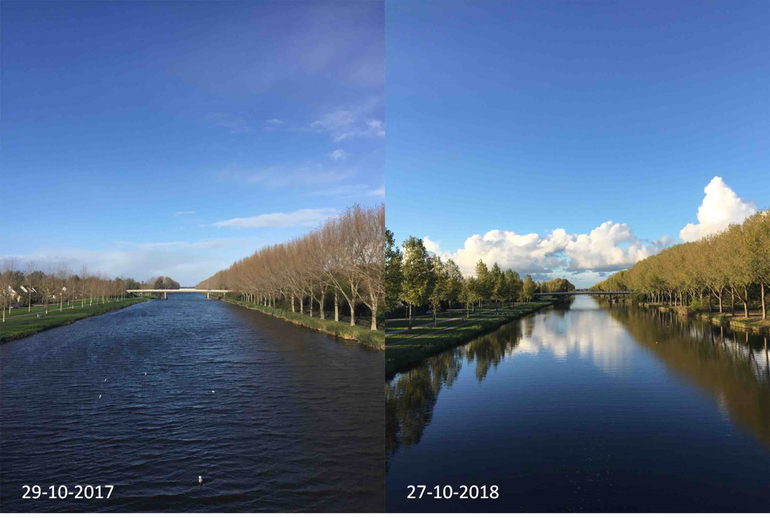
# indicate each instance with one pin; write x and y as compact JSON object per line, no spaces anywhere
{"x":273,"y":416}
{"x":583,"y":408}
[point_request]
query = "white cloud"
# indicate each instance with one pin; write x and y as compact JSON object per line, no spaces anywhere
{"x":351,"y":122}
{"x":298,"y":218}
{"x":719,"y":209}
{"x":184,"y":212}
{"x":274,"y":122}
{"x":338,"y":154}
{"x":350,"y":191}
{"x":186,"y":262}
{"x":307,"y":174}
{"x":608,"y":247}
{"x":379,"y":192}
{"x":234,"y":123}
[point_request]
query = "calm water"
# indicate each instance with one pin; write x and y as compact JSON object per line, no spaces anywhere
{"x":587,"y":409}
{"x":295,"y":421}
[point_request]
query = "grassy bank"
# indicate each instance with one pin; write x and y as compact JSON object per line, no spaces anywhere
{"x":409,"y":347}
{"x":373,"y":339}
{"x":23,"y":325}
{"x":751,"y":323}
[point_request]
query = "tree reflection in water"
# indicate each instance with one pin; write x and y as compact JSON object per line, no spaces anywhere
{"x":410,"y":397}
{"x":732,"y":366}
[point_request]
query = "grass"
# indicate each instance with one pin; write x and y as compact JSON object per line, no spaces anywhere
{"x":373,"y":339}
{"x":29,"y":324}
{"x":408,"y":348}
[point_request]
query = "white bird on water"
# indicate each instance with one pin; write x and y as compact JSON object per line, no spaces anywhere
{"x":200,"y":479}
{"x":100,"y":396}
{"x":212,"y":392}
{"x":145,"y":374}
{"x":105,"y":379}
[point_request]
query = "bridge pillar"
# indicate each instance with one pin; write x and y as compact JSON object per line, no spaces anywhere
{"x":208,"y":295}
{"x":165,"y":295}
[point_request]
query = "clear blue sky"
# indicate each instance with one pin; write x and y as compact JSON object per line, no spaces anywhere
{"x":228,"y":109}
{"x":532,"y":116}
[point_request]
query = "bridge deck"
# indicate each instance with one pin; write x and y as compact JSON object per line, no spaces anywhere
{"x":180,"y":290}
{"x":586,"y":293}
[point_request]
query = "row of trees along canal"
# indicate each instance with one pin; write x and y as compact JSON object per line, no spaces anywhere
{"x":343,"y":260}
{"x":416,"y":278}
{"x":734,"y":263}
{"x":60,"y":286}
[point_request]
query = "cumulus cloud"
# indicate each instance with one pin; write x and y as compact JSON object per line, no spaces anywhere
{"x":184,"y":212}
{"x":298,"y":218}
{"x":720,"y":207}
{"x":608,"y":247}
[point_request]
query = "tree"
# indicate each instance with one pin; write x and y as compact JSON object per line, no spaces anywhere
{"x":393,"y":274}
{"x":484,"y":283}
{"x":513,"y":284}
{"x":417,"y":275}
{"x":440,"y":281}
{"x":528,"y":289}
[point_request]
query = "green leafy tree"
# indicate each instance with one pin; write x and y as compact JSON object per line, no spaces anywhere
{"x":513,"y":285}
{"x":454,"y":282}
{"x":528,"y":289}
{"x":484,"y":286}
{"x":417,"y":275}
{"x":393,"y":274}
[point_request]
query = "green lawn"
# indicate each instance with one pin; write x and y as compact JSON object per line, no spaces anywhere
{"x":341,"y":329}
{"x":404,"y":349}
{"x":26,"y":324}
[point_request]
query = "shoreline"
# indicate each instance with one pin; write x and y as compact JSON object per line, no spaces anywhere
{"x":754,"y":324}
{"x":56,"y":318}
{"x":371,"y":339}
{"x":399,"y":358}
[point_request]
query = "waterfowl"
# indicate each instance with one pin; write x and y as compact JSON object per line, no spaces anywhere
{"x":100,"y":396}
{"x":200,"y":479}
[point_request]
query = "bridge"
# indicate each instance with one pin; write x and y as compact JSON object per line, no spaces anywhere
{"x":165,"y":292}
{"x":585,"y":292}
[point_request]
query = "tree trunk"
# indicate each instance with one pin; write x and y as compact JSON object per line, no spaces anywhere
{"x":409,"y":318}
{"x":374,"y":316}
{"x":336,"y":307}
{"x":764,"y":311}
{"x":732,"y":302}
{"x":321,"y":304}
{"x":352,"y":312}
{"x":292,"y":304}
{"x":746,"y":302}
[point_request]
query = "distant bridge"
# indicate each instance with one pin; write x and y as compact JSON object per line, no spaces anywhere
{"x":585,"y":293}
{"x":165,"y":292}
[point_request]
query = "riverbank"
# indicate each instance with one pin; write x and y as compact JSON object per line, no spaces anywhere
{"x":752,"y":323}
{"x":367,"y":337}
{"x":408,"y":348}
{"x":22,"y":326}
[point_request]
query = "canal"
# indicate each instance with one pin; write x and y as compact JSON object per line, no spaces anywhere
{"x":586,"y":408}
{"x":272,"y":416}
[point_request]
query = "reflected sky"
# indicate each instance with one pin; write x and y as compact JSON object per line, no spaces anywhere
{"x":616,"y":401}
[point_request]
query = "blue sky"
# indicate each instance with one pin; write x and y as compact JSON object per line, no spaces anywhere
{"x":529,"y":117}
{"x":149,"y":138}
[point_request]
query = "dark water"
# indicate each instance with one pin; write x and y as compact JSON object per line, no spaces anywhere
{"x":295,"y":422}
{"x":587,"y":409}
